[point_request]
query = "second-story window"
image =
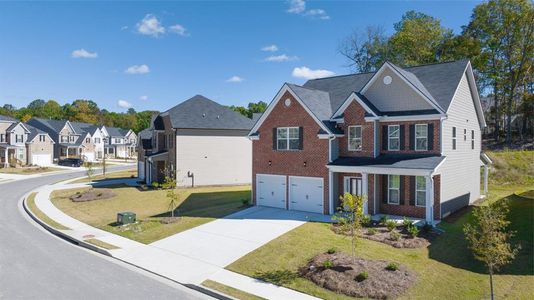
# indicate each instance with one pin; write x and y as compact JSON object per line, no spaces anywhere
{"x":355,"y":138}
{"x":2,"y":138}
{"x":287,"y":138}
{"x":64,"y":139}
{"x":72,"y":138}
{"x":465,"y":134}
{"x":454,"y":138}
{"x":421,"y":137}
{"x":97,"y":140}
{"x":19,"y":138}
{"x":42,"y":138}
{"x":393,"y":137}
{"x":87,"y":140}
{"x":472,"y":139}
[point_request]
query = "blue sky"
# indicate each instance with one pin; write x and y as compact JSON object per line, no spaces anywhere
{"x":154,"y":55}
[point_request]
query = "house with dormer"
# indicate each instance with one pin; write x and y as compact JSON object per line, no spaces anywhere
{"x":119,"y":143}
{"x":406,"y":139}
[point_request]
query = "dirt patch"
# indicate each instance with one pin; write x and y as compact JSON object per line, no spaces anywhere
{"x":92,"y":194}
{"x":170,"y":220}
{"x":342,"y":273}
{"x":398,"y":238}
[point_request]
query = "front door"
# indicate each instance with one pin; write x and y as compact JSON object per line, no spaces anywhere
{"x":355,"y":186}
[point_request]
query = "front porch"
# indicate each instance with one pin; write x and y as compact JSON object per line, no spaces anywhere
{"x":398,"y":188}
{"x":68,"y":151}
{"x":11,"y":156}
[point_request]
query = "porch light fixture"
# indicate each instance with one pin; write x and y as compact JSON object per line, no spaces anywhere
{"x":304,"y":164}
{"x":270,"y":163}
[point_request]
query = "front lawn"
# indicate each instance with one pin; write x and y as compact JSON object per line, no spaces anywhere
{"x":127,"y":174}
{"x":28,"y":170}
{"x":444,"y":270}
{"x":196,"y":207}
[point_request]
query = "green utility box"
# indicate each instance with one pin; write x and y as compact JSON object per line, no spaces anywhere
{"x":125,"y":218}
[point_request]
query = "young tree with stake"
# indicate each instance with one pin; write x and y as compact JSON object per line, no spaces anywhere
{"x":350,"y":217}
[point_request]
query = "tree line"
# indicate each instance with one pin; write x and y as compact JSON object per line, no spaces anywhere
{"x":498,"y":39}
{"x":86,"y":111}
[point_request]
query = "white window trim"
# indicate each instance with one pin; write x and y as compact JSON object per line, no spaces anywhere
{"x":398,"y":189}
{"x":454,"y":143}
{"x":415,"y":137}
{"x":390,"y":138}
{"x":472,"y":140}
{"x":360,"y":138}
{"x":286,"y":138}
{"x":423,"y":190}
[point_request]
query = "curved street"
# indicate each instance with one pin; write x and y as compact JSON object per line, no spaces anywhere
{"x":35,"y":264}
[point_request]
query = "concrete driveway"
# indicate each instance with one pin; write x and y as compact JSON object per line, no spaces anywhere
{"x":225,"y":240}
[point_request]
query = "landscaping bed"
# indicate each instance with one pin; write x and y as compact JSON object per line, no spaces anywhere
{"x":92,"y":195}
{"x":28,"y":170}
{"x":127,"y":174}
{"x":357,"y":277}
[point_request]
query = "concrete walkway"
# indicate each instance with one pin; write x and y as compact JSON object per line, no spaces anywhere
{"x":201,"y":253}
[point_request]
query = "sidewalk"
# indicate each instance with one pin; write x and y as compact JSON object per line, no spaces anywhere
{"x":179,"y":267}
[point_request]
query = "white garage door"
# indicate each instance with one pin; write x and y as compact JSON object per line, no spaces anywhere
{"x":89,"y":156}
{"x":271,"y":190}
{"x":306,"y":194}
{"x":42,"y":159}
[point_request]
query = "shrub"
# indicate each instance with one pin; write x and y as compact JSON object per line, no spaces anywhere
{"x":407,"y":222}
{"x":394,"y":235}
{"x":331,"y":251}
{"x":155,"y":185}
{"x":383,"y":220}
{"x":245,"y":202}
{"x":390,"y":224}
{"x":362,"y":276}
{"x":392,"y":266}
{"x":327,"y":264}
{"x":372,"y":231}
{"x":366,"y":220}
{"x":413,"y":230}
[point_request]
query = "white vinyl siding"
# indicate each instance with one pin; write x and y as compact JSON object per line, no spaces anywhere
{"x":421,"y":137}
{"x":287,"y":138}
{"x":460,"y":172}
{"x":420,"y":190}
{"x":355,"y":138}
{"x":393,"y":189}
{"x":393,"y":137}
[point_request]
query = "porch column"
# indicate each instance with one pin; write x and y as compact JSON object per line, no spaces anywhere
{"x":486,"y":171}
{"x":67,"y":150}
{"x":365,"y":187}
{"x":6,"y":159}
{"x":331,"y":192}
{"x":429,"y":199}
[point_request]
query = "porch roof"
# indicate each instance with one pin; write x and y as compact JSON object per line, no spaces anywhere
{"x":388,"y":164}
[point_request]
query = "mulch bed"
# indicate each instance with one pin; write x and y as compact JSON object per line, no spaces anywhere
{"x":341,"y":276}
{"x":382,"y":235}
{"x":92,"y":194}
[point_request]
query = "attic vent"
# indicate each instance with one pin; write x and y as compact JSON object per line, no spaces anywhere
{"x":203,"y":115}
{"x":218,"y":117}
{"x":387,"y":80}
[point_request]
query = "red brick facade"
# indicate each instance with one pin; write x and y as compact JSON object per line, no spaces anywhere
{"x":355,"y":115}
{"x":310,"y":161}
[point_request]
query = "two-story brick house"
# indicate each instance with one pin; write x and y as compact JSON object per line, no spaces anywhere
{"x":408,"y":140}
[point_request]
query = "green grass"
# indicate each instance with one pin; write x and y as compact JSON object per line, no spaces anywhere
{"x":512,"y":167}
{"x":111,"y":175}
{"x":197,"y":206}
{"x":101,"y":244}
{"x":230,"y":291}
{"x":28,"y":171}
{"x":30,"y":202}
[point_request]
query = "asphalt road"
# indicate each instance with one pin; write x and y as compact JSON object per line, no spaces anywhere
{"x":37,"y":265}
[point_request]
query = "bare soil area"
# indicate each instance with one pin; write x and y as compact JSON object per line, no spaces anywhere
{"x":92,"y":194}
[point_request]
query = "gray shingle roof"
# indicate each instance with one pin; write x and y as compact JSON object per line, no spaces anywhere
{"x":8,"y":119}
{"x":82,"y":128}
{"x":116,"y":132}
{"x":34,"y":132}
{"x":424,"y":162}
{"x":315,"y":100}
{"x":55,"y":125}
{"x":437,"y":81}
{"x":200,"y":112}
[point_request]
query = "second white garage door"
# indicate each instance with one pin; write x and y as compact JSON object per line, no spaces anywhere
{"x":42,"y":159}
{"x":271,"y":190}
{"x":306,"y":194}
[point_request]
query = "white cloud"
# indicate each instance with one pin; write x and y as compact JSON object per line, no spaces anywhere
{"x":280,"y":58}
{"x":144,"y":98}
{"x":270,"y":48}
{"x":82,"y":53}
{"x":296,"y":6}
{"x":318,"y":14}
{"x":179,"y":30}
{"x":307,"y":73}
{"x":235,"y":79}
{"x":124,"y":27}
{"x":124,"y":104}
{"x":151,"y":26}
{"x":137,"y":69}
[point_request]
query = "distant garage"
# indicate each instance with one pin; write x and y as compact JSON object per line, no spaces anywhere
{"x":42,"y":159}
{"x":305,"y":193}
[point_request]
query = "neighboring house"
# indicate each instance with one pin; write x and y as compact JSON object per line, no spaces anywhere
{"x":119,"y":143}
{"x":200,"y":142}
{"x":72,"y":139}
{"x":406,"y":139}
{"x":21,"y":144}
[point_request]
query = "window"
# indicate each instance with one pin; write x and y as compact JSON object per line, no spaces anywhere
{"x":64,"y":139}
{"x":2,"y":138}
{"x":465,"y":134}
{"x":420,"y":191}
{"x":42,"y":138}
{"x":393,"y":189}
{"x":97,"y":140}
{"x":454,"y":138}
{"x":117,"y":141}
{"x":287,"y":138}
{"x":472,"y":139}
{"x":355,"y":138}
{"x":87,"y":140}
{"x":421,"y":137}
{"x":19,"y":138}
{"x":63,"y":151}
{"x":21,"y":154}
{"x":393,"y":137}
{"x":72,"y":138}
